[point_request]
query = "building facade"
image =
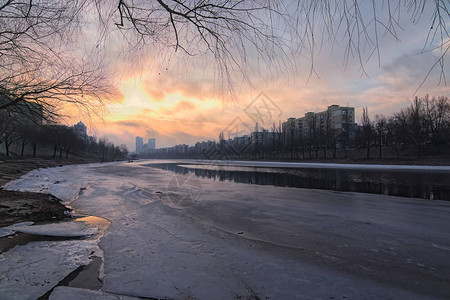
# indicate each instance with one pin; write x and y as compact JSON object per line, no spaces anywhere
{"x":145,"y":149}
{"x":139,"y":144}
{"x":151,"y":145}
{"x":80,"y":130}
{"x":336,"y":122}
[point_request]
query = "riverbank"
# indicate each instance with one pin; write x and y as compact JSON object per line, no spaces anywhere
{"x":13,"y":168}
{"x":17,"y":206}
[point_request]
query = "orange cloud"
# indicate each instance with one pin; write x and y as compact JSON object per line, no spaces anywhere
{"x":177,"y":104}
{"x":184,"y":105}
{"x":156,"y":94}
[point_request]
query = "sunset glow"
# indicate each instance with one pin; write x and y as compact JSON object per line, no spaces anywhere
{"x":177,"y":99}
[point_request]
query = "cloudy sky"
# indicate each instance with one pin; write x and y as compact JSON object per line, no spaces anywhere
{"x":177,"y":98}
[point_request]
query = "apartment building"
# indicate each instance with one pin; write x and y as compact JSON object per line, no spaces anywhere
{"x":338,"y":120}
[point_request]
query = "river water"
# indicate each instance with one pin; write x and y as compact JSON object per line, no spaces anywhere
{"x":411,"y":183}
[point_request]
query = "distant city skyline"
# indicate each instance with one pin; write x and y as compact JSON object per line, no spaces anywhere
{"x":335,"y":120}
{"x":140,"y":147}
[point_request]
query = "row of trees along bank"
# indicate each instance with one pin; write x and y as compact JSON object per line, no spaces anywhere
{"x":421,"y":129}
{"x":20,"y":132}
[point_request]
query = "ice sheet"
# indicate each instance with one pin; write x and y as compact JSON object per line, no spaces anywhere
{"x":64,"y":293}
{"x":244,"y":241}
{"x":29,"y":271}
{"x":62,"y":229}
{"x":10,"y":230}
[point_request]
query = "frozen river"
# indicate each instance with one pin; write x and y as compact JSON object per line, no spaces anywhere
{"x":178,"y":236}
{"x":427,"y":182}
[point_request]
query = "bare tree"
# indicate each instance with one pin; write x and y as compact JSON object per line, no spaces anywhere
{"x":361,"y":26}
{"x":395,"y":134}
{"x":437,"y":112}
{"x":52,"y":135}
{"x":413,"y":120}
{"x":366,"y":131}
{"x":37,"y":38}
{"x":123,"y":150}
{"x":234,"y":31}
{"x":104,"y":147}
{"x":38,"y":63}
{"x":418,"y":125}
{"x":8,"y":131}
{"x":35,"y":137}
{"x":312,"y":137}
{"x":380,"y":126}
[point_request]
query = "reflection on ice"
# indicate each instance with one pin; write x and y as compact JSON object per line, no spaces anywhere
{"x":422,"y":183}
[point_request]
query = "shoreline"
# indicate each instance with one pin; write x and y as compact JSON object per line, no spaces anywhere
{"x":40,"y":208}
{"x":13,"y":168}
{"x":16,"y":206}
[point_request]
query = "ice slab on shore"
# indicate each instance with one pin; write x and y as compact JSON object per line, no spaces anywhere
{"x":64,"y":293}
{"x":10,"y":230}
{"x":29,"y":271}
{"x":63,"y":229}
{"x":70,"y":229}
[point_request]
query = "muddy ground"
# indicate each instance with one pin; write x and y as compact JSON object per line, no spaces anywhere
{"x":18,"y":207}
{"x":24,"y":206}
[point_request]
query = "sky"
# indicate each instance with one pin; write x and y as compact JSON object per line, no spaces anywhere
{"x":178,"y":99}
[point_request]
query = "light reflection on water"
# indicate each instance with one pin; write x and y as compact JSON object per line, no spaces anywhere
{"x":100,"y":223}
{"x":413,"y":184}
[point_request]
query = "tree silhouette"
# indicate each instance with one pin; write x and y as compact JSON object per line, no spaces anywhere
{"x":41,"y":59}
{"x":367,"y":130}
{"x":234,"y":31}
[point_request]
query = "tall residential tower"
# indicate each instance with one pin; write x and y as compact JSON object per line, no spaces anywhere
{"x":139,"y":144}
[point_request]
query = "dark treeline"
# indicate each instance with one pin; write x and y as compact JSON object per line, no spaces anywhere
{"x":420,"y":130}
{"x":28,"y":132}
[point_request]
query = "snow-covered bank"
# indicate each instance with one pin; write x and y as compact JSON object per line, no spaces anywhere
{"x":240,"y":240}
